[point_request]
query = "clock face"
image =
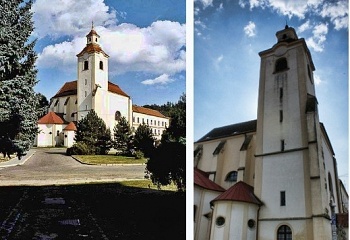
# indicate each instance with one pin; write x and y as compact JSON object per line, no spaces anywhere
{"x":85,"y":56}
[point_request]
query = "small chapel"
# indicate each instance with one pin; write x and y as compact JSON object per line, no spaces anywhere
{"x":93,"y":90}
{"x":275,"y":177}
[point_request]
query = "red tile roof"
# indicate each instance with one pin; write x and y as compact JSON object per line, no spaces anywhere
{"x":92,"y":32}
{"x":201,"y":179}
{"x":116,"y":89}
{"x":51,"y":118}
{"x":240,"y":192}
{"x":147,"y":111}
{"x":70,"y":127}
{"x":70,"y":88}
{"x":92,"y":48}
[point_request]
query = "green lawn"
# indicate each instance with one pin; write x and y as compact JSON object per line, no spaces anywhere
{"x":147,"y":184}
{"x":108,"y":159}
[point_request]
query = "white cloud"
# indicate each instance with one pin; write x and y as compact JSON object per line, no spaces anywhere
{"x":205,"y":3}
{"x":305,"y":26}
{"x":337,"y":12}
{"x":157,"y":49}
{"x":70,"y":17}
{"x":221,"y":7}
{"x":288,"y":8}
{"x":242,"y":4}
{"x":317,"y":80}
{"x":250,"y":29}
{"x":162,"y":79}
{"x":217,"y":61}
{"x":319,"y":32}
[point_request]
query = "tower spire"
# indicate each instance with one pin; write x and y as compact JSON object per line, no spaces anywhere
{"x":92,"y":25}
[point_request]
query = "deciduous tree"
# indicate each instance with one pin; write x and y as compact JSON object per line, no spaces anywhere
{"x":143,"y":140}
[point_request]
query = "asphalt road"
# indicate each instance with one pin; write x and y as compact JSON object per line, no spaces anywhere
{"x":53,"y":167}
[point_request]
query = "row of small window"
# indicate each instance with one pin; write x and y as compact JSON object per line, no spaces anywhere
{"x":86,"y":65}
{"x":151,"y":122}
{"x":283,"y":232}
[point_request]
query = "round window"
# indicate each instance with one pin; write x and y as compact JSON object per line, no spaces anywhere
{"x":220,"y":221}
{"x":251,"y":223}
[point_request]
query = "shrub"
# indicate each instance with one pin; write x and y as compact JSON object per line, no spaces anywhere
{"x":79,"y":148}
{"x":139,"y":154}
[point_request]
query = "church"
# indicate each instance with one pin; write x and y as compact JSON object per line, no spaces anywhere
{"x":93,"y":90}
{"x":274,"y":177}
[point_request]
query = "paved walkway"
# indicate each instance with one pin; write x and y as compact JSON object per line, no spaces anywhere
{"x":15,"y":161}
{"x":50,"y":166}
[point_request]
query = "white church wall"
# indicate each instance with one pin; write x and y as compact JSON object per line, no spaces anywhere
{"x":207,"y":163}
{"x":330,"y":173}
{"x":115,"y":103}
{"x":44,"y":138}
{"x":231,"y":159}
{"x":301,"y":229}
{"x":288,"y":179}
{"x":201,"y":199}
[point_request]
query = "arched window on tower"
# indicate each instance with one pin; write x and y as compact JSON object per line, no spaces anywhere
{"x":86,"y":65}
{"x":284,"y":233}
{"x":231,"y":176}
{"x":101,"y":65}
{"x":281,"y":65}
{"x":117,"y":115}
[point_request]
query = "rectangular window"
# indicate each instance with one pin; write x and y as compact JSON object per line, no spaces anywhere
{"x":85,"y":93}
{"x":281,"y":93}
{"x":138,"y":120}
{"x":281,"y":115}
{"x":86,"y":65}
{"x":282,"y":145}
{"x":283,"y":198}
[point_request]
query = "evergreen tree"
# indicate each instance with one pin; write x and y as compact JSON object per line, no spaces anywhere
{"x":122,"y":136}
{"x":18,"y":118}
{"x":143,"y":139}
{"x":92,"y":131}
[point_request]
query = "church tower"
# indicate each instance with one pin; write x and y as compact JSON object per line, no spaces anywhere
{"x":92,"y":83}
{"x":289,"y":171}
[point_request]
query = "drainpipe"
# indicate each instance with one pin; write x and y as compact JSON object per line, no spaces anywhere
{"x":257,"y":224}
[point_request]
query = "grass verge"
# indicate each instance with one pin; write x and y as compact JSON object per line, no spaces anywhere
{"x":108,"y":159}
{"x":147,"y":184}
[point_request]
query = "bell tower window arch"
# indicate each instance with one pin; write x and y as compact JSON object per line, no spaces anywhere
{"x":281,"y":65}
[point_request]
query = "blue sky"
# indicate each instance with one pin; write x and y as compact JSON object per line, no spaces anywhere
{"x":229,"y":34}
{"x":146,"y":42}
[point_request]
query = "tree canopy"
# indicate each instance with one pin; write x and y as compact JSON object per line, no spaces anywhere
{"x":18,"y":118}
{"x":168,"y":161}
{"x":122,"y":136}
{"x":143,"y":139}
{"x":92,"y":131}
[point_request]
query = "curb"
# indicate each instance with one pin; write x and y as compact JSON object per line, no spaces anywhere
{"x":20,"y":162}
